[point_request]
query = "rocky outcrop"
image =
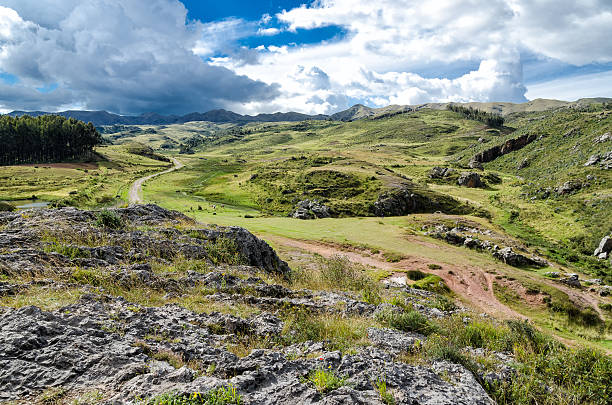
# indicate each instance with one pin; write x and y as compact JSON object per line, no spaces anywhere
{"x":408,"y":200}
{"x":129,"y":351}
{"x":440,"y":172}
{"x":308,"y":209}
{"x":509,"y":256}
{"x":33,"y":232}
{"x":605,"y":247}
{"x":470,"y":179}
{"x":572,"y":280}
{"x":469,"y":237}
{"x":125,"y":350}
{"x":569,"y":187}
{"x":604,"y":160}
{"x":607,"y":137}
{"x":493,"y":153}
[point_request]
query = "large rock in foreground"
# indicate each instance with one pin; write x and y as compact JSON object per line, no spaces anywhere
{"x":142,"y":228}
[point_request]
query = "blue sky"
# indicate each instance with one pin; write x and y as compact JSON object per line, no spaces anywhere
{"x":318,"y":56}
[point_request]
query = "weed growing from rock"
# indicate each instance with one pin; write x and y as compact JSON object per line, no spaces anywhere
{"x":324,"y":381}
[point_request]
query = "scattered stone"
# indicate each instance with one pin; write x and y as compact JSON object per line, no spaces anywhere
{"x":593,"y":160}
{"x":572,"y":280}
{"x":604,"y":160}
{"x":552,"y":274}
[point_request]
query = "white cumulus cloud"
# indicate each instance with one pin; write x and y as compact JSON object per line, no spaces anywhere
{"x":123,"y":56}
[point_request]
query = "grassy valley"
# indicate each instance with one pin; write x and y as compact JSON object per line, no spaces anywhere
{"x":255,"y":177}
{"x":440,"y":226}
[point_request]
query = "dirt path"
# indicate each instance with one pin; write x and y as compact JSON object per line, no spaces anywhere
{"x":469,"y":282}
{"x":134,"y":195}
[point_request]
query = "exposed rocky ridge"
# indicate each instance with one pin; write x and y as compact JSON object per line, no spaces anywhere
{"x":30,"y":228}
{"x":108,"y":344}
{"x":125,"y":350}
{"x":469,"y":237}
{"x":493,"y":153}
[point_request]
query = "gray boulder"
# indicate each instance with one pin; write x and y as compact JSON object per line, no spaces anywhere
{"x":470,"y":179}
{"x":604,"y":248}
{"x":569,"y":187}
{"x":604,"y":138}
{"x":308,"y":209}
{"x":509,"y":256}
{"x":440,"y":172}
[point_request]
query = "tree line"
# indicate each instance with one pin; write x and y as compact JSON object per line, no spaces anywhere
{"x":47,"y":138}
{"x":491,"y":119}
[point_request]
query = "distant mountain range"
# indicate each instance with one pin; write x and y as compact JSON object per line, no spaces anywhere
{"x":356,"y":112}
{"x":218,"y":116}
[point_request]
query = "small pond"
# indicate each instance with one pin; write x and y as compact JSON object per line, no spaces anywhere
{"x":25,"y":204}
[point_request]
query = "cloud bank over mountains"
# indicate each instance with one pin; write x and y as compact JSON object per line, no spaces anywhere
{"x":145,"y":55}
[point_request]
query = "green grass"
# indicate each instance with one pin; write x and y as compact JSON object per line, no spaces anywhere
{"x":385,"y":395}
{"x":218,"y":396}
{"x":432,"y":283}
{"x":102,"y":182}
{"x":325,"y":381}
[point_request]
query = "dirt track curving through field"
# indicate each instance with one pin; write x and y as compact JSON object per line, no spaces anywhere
{"x":470,"y":283}
{"x":134,"y":195}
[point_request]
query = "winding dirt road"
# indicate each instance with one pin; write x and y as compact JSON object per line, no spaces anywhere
{"x":134,"y":195}
{"x":469,"y":282}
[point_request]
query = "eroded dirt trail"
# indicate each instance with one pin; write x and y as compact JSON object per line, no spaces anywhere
{"x":134,"y":195}
{"x":470,"y":283}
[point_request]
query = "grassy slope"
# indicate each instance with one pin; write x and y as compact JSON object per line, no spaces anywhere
{"x":385,"y":150}
{"x":101,"y":182}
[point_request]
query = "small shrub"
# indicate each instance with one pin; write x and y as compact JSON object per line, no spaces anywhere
{"x":443,"y":303}
{"x":342,"y":333}
{"x":393,"y":257}
{"x":442,"y":348}
{"x":432,"y":283}
{"x":52,"y":396}
{"x":218,"y":396}
{"x":338,"y":272}
{"x":371,"y":294}
{"x":434,"y":266}
{"x":409,"y":321}
{"x":109,"y":219}
{"x":69,"y":251}
{"x":88,"y":277}
{"x":224,"y":250}
{"x":415,"y":275}
{"x":325,"y":381}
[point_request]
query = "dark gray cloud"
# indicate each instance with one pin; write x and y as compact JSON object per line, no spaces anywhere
{"x":124,"y":56}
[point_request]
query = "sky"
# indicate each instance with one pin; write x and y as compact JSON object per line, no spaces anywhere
{"x":315,"y":57}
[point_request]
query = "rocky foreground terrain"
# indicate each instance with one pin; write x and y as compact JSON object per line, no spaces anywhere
{"x":141,"y":305}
